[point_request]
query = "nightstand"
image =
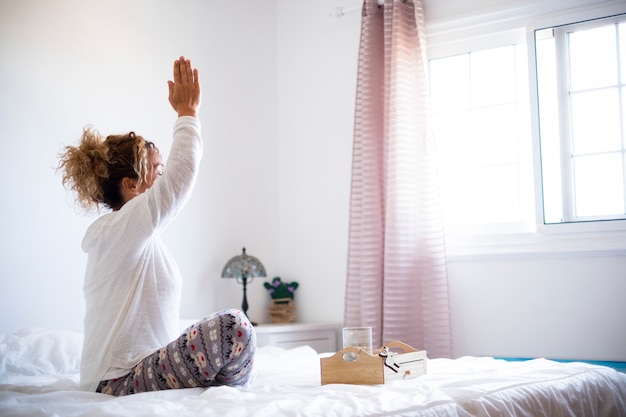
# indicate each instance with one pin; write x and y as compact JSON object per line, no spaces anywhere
{"x":322,"y":337}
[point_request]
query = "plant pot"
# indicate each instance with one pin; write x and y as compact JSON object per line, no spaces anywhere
{"x":282,"y":310}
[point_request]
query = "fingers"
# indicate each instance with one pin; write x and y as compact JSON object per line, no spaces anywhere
{"x":188,"y":71}
{"x":176,"y":71}
{"x":196,"y":79}
{"x":183,"y":72}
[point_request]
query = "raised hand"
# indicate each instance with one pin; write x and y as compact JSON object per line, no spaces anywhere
{"x":184,"y":91}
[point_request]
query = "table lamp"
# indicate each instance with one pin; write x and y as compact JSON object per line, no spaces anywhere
{"x":243,"y":267}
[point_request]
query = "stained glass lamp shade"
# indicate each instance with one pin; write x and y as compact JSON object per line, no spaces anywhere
{"x":243,"y":268}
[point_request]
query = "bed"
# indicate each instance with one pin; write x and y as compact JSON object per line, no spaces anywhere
{"x":39,"y":376}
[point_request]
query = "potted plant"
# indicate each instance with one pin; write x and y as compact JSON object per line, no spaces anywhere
{"x":282,"y":309}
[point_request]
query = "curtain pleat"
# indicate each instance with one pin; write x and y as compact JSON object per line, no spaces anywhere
{"x":397,"y":276}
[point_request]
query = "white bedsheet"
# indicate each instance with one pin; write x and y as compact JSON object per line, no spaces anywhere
{"x":39,"y":376}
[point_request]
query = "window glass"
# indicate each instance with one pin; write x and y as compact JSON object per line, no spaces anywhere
{"x":482,"y":130}
{"x":493,"y":73}
{"x":595,"y":119}
{"x":592,"y":58}
{"x":450,"y":79}
{"x":599,"y":187}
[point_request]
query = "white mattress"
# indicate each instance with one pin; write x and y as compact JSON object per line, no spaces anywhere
{"x":39,"y":375}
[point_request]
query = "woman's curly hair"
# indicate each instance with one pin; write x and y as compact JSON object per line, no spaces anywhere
{"x":95,"y":168}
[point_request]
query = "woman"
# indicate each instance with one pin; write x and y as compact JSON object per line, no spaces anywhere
{"x":132,"y":284}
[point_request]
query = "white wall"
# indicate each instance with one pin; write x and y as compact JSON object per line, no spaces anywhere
{"x":317,"y":61}
{"x":69,"y":63}
{"x":279,"y":80}
{"x":553,"y":305}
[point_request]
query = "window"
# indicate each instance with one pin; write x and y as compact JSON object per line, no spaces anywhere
{"x":481,"y":123}
{"x":489,"y":92}
{"x":581,"y":81}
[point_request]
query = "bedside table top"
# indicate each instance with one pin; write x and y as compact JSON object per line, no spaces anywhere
{"x":294,"y":327}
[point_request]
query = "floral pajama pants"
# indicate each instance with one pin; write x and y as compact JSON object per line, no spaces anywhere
{"x":218,"y":350}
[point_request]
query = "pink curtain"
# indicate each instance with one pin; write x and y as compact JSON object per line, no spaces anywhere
{"x":397,"y":277}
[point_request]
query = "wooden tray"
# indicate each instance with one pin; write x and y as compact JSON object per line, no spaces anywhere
{"x":355,"y":366}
